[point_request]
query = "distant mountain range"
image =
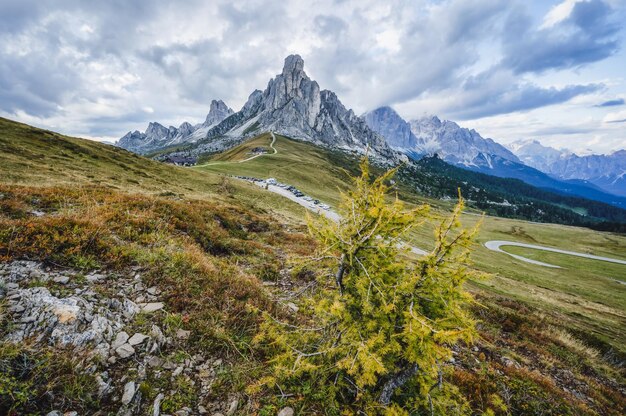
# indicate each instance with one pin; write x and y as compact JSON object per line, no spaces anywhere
{"x":466,"y":148}
{"x":294,"y":105}
{"x":607,"y":172}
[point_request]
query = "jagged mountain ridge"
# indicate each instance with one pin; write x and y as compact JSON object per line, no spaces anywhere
{"x":468,"y":149}
{"x":607,"y":172}
{"x":430,"y":135}
{"x":294,"y":105}
{"x":158,"y":136}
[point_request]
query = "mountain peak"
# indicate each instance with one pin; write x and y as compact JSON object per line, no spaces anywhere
{"x":388,"y":123}
{"x":293,"y":63}
{"x":217,"y":112}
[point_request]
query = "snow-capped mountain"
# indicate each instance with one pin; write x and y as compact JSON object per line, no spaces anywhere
{"x":158,"y":136}
{"x":456,"y":144}
{"x":607,"y":172}
{"x":293,"y":105}
{"x":386,"y":122}
{"x":468,"y":149}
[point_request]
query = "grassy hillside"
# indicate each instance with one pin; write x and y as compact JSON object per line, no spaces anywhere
{"x":322,"y":173}
{"x":585,"y":293}
{"x":217,"y":252}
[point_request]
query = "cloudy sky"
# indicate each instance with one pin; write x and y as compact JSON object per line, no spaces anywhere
{"x":512,"y":69}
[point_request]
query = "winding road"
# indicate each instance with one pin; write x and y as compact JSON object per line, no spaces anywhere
{"x":495,"y":245}
{"x":262,"y":154}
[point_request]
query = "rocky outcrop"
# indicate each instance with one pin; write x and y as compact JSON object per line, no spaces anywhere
{"x":218,"y":112}
{"x":94,"y":317}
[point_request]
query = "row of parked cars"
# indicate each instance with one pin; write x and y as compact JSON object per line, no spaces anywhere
{"x":298,"y":193}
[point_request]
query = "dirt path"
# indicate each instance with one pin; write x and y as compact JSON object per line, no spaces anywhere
{"x":263,"y":154}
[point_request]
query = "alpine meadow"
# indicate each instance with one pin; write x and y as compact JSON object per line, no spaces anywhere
{"x":310,"y":251}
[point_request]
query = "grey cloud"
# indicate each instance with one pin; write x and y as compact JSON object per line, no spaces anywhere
{"x":329,"y":27}
{"x":561,"y":130}
{"x":494,"y":92}
{"x":236,"y":47}
{"x":588,"y":35}
{"x":611,"y":103}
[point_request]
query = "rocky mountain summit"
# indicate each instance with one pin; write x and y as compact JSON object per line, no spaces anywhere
{"x":386,"y":122}
{"x":292,"y":105}
{"x":608,"y":172}
{"x":158,"y":136}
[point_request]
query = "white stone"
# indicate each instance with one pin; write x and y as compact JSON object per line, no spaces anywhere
{"x":62,"y":279}
{"x":152,"y":307}
{"x":137,"y":339}
{"x":129,"y":392}
{"x":120,"y":339}
{"x":125,"y":351}
{"x":286,"y":411}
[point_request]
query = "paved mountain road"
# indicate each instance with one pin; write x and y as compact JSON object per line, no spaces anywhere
{"x":495,"y":245}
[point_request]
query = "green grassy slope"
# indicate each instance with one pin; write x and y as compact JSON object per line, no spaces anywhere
{"x":207,"y":240}
{"x":302,"y":165}
{"x":35,"y":157}
{"x":584,"y":292}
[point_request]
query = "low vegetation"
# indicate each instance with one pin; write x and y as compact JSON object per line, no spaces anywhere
{"x":226,"y":256}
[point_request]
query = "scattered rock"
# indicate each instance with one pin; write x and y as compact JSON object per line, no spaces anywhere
{"x":182,"y":334}
{"x":154,"y":361}
{"x":62,"y":279}
{"x":233,"y":408}
{"x":293,"y":307}
{"x":285,"y":411}
{"x":120,"y":339}
{"x":137,"y":339}
{"x":129,"y":392}
{"x":156,"y":406}
{"x":103,"y":386}
{"x":95,"y":277}
{"x":125,"y":351}
{"x":152,"y":307}
{"x":177,"y":372}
